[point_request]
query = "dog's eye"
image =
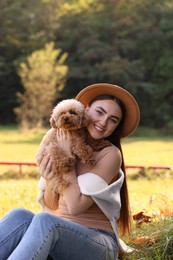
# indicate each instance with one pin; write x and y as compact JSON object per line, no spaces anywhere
{"x":72,"y":112}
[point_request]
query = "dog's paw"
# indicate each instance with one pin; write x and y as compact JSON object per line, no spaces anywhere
{"x":99,"y":145}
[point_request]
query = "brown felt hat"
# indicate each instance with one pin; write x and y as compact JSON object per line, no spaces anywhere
{"x":131,"y":121}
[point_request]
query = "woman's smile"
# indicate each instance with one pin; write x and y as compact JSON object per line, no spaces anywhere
{"x":99,"y":128}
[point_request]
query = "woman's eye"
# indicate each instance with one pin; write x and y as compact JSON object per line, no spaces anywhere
{"x":99,"y":112}
{"x":114,"y":120}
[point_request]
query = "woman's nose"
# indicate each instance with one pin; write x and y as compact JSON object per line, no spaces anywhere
{"x":103,"y":121}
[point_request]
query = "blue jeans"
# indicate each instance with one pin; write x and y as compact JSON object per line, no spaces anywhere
{"x":25,"y":236}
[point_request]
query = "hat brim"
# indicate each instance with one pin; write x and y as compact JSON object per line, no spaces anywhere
{"x":131,"y":121}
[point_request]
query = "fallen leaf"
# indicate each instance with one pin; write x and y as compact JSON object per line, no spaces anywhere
{"x":146,"y":240}
{"x":141,"y":218}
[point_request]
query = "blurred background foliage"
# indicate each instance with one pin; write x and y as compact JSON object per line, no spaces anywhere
{"x":124,"y":42}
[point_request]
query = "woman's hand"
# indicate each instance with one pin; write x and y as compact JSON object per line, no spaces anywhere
{"x":64,"y":141}
{"x":45,"y":167}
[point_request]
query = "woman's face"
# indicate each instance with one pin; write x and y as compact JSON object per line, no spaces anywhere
{"x":105,"y":115}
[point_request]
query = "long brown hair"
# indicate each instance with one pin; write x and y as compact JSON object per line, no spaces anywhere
{"x":124,"y":222}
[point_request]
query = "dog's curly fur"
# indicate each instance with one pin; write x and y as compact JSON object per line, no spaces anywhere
{"x":69,"y":115}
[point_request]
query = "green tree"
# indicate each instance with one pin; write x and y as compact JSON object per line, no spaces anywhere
{"x":122,"y":42}
{"x":126,"y":42}
{"x":42,"y":75}
{"x":99,"y":37}
{"x":154,"y":40}
{"x":26,"y":26}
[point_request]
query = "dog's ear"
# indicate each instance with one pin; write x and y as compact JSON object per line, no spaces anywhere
{"x":52,"y":122}
{"x":86,"y":119}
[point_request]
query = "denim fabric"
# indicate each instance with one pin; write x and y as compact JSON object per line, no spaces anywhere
{"x":25,"y":236}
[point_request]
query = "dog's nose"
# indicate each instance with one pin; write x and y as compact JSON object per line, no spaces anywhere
{"x":66,"y":119}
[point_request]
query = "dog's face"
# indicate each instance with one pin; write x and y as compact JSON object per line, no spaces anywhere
{"x":69,"y":114}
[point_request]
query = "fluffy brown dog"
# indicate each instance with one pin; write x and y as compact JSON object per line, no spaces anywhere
{"x":69,"y":115}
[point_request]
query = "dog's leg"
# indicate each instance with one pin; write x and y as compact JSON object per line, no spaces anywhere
{"x":97,"y":145}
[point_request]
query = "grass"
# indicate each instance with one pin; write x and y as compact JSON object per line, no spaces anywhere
{"x":19,"y":145}
{"x":18,"y":193}
{"x":153,"y":197}
{"x":160,"y":245}
{"x":149,"y":152}
{"x":152,"y":193}
{"x":22,"y":192}
{"x":22,"y":145}
{"x":148,"y":147}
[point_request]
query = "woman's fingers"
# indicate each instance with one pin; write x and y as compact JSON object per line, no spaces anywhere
{"x":45,"y":167}
{"x":64,"y":141}
{"x":49,"y":169}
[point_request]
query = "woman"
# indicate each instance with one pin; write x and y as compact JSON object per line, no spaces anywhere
{"x":84,"y":224}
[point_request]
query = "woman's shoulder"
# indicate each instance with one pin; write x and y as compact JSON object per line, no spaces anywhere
{"x":108,"y":163}
{"x":111,"y":151}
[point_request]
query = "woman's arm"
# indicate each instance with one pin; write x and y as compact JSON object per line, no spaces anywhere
{"x":107,"y":167}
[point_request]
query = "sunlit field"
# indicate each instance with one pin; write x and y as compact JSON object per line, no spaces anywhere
{"x":22,"y":145}
{"x":150,"y":191}
{"x":18,"y":193}
{"x":145,"y":195}
{"x":149,"y":151}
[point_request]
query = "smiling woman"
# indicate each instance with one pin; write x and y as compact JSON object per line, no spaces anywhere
{"x":72,"y":223}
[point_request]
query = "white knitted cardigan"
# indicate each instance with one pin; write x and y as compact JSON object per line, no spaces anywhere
{"x":107,"y":197}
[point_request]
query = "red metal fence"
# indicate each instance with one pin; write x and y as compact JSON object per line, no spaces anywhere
{"x":20,"y":164}
{"x":141,"y":167}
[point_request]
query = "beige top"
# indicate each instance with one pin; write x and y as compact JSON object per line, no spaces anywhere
{"x":80,"y":208}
